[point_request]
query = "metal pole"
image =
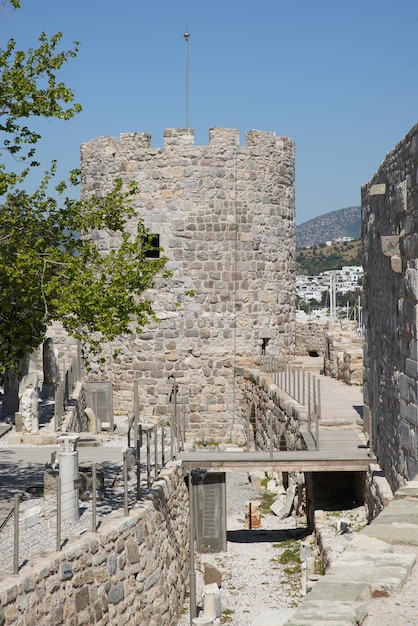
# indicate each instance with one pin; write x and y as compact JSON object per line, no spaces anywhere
{"x":193,"y":608}
{"x":317,"y":432}
{"x":138,"y":461}
{"x":162,"y":444}
{"x":125,"y":484}
{"x":248,"y":432}
{"x":319,"y":399}
{"x":184,"y":422}
{"x":271,"y":434}
{"x":155,"y":451}
{"x":303,"y":385}
{"x":299,"y":385}
{"x":186,"y":36}
{"x":148,"y":459}
{"x":16,"y":535}
{"x":58,"y":513}
{"x":176,"y":425}
{"x":171,"y":439}
{"x":136,"y":411}
{"x":94,"y":499}
{"x":309,"y":400}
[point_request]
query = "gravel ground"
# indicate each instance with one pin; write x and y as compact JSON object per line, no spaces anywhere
{"x":38,"y":515}
{"x":254,"y":580}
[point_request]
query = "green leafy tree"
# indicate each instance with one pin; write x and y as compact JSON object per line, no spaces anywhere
{"x":50,"y":268}
{"x":29,"y":88}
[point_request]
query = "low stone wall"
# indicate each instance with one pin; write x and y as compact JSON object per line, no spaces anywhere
{"x":262,"y":399}
{"x":310,"y":338}
{"x":343,"y":357}
{"x":377,"y":492}
{"x":133,"y":571}
{"x":75,"y":419}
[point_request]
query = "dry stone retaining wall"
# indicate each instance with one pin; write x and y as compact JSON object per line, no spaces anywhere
{"x":133,"y":571}
{"x":390,"y":240}
{"x":225,"y":217}
{"x":260,"y":400}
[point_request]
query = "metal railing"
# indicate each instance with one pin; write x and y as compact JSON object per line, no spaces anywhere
{"x":302,"y":386}
{"x":36,"y":524}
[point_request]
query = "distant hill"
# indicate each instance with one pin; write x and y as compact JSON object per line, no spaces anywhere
{"x":322,"y":258}
{"x":329,"y":227}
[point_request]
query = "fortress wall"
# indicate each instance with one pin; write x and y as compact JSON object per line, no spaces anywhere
{"x":390,"y":238}
{"x":133,"y":570}
{"x":226,"y":219}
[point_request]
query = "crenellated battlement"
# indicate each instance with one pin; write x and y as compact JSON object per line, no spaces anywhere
{"x":224,"y":215}
{"x":183,"y":138}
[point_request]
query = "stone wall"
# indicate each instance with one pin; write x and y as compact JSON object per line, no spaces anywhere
{"x":310,"y":337}
{"x":75,"y":419}
{"x":260,"y":400}
{"x":338,"y":343}
{"x":133,"y":571}
{"x":225,"y":217}
{"x":377,"y":492}
{"x":390,"y":240}
{"x":343,"y":356}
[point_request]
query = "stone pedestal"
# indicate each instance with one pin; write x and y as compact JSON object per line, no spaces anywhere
{"x":211,"y":601}
{"x":68,"y":472}
{"x":252,"y":515}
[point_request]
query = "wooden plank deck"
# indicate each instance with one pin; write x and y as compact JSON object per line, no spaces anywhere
{"x":339,"y":451}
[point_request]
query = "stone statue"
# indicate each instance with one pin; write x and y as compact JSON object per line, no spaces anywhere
{"x":28,"y":403}
{"x":50,"y":362}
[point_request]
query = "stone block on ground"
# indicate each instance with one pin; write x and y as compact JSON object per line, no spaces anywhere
{"x":252,"y":515}
{"x":271,"y":486}
{"x":257,"y":478}
{"x":213,"y":574}
{"x":277,"y":506}
{"x":273,"y":617}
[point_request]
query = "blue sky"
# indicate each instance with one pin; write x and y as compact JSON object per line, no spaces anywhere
{"x":337,"y":77}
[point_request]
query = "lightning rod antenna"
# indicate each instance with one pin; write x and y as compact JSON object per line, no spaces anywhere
{"x":186,"y":37}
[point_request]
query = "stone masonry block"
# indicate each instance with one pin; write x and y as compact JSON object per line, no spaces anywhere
{"x":411,"y":368}
{"x":411,"y":283}
{"x":378,"y":190}
{"x":401,"y":196}
{"x":412,"y":414}
{"x":407,"y":437}
{"x":82,"y":599}
{"x":224,"y":137}
{"x":396,"y":264}
{"x":390,"y":245}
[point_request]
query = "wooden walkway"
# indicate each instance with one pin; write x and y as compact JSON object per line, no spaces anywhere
{"x":340,"y":451}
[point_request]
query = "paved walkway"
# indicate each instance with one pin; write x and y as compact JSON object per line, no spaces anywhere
{"x":374,"y":581}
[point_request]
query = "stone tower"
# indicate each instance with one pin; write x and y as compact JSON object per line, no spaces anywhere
{"x":225,"y":216}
